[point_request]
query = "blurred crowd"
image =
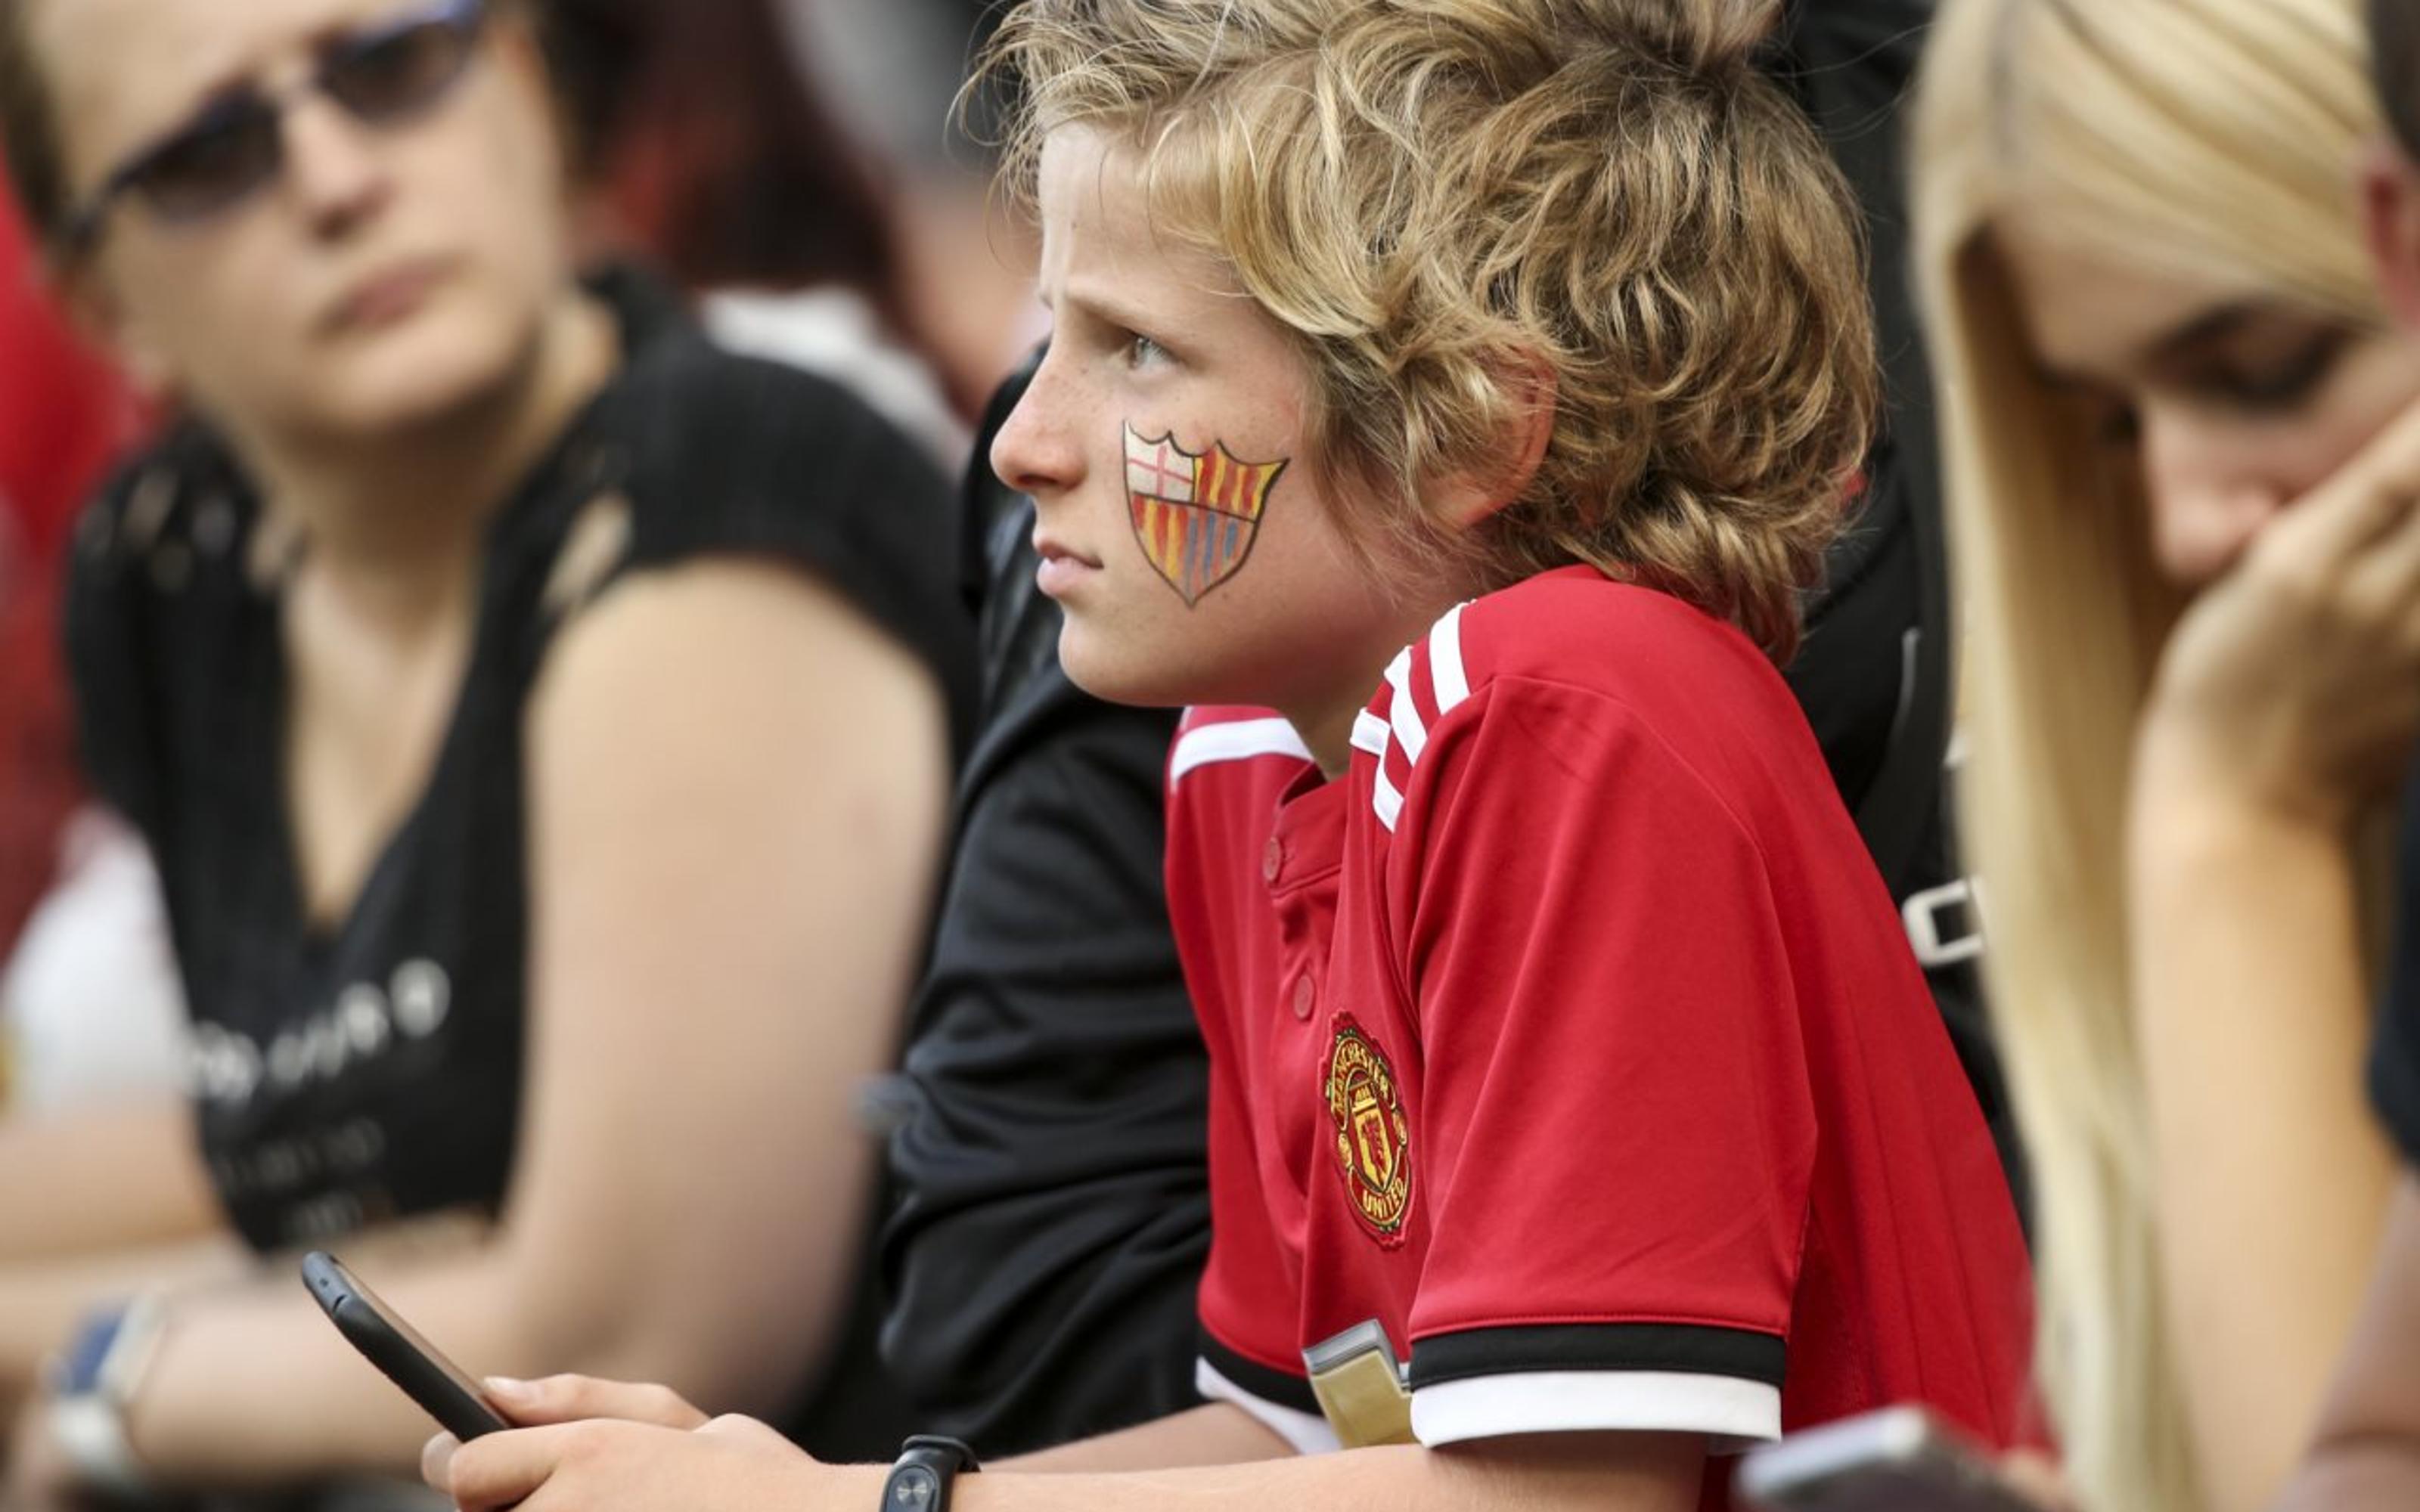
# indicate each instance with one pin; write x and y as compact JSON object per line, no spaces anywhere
{"x":1431,"y":753}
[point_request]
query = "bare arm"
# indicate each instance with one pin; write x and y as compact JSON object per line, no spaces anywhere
{"x":733,"y":1463}
{"x":112,"y":1178}
{"x":2368,"y":1455}
{"x":2285,"y":705}
{"x":1218,"y":1434}
{"x":737,"y":790}
{"x":2248,"y":983}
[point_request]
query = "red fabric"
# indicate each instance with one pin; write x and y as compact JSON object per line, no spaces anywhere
{"x":63,"y":415}
{"x":1660,"y":1053}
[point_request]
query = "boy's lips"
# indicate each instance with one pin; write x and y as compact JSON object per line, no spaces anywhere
{"x":1061,"y":568}
{"x":1051,"y":549}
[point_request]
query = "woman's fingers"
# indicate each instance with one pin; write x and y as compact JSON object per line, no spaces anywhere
{"x":575,"y":1398}
{"x":2367,"y":498}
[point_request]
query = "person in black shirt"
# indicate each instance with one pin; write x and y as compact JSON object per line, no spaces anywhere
{"x":543,"y":723}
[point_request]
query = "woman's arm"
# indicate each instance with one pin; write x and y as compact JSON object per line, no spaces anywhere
{"x":2368,"y":1457}
{"x":737,"y":790}
{"x":2285,"y":707}
{"x":112,"y":1178}
{"x":2273,"y":1178}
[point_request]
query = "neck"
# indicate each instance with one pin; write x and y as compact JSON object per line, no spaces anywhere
{"x":398,"y":519}
{"x":1324,"y":717}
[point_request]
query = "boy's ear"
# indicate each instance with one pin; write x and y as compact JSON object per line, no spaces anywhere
{"x":1527,"y":429}
{"x":2390,"y":199}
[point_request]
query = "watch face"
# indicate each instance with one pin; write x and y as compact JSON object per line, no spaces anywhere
{"x":913,"y":1488}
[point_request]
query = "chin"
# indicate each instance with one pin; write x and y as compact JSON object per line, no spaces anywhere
{"x":1115,"y":673}
{"x":417,"y":376}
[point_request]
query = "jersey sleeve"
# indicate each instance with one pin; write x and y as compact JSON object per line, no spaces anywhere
{"x":1619,"y":1132}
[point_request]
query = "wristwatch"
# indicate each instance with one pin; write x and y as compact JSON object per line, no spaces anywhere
{"x":920,"y":1479}
{"x":91,"y":1387}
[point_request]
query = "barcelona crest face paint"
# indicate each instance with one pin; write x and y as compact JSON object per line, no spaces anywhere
{"x":1195,"y":514}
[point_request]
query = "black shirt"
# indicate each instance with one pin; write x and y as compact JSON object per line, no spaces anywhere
{"x":1054,"y":1176}
{"x":2395,"y":1057}
{"x":372,"y":1071}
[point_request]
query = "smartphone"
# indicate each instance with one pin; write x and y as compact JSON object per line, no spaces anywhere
{"x":437,"y":1383}
{"x":1898,"y":1460}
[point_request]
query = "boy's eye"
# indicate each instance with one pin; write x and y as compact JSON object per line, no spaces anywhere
{"x":1142,"y":351}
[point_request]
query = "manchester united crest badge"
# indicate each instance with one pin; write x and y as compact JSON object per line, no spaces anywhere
{"x":1195,"y":514}
{"x":1374,"y":1140}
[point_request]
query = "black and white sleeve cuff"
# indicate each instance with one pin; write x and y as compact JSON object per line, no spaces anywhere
{"x":1282,"y":1403}
{"x":1489,"y":1383}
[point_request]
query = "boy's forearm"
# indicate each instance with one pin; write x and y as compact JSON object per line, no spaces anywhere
{"x":1216,"y":1434}
{"x":1583,"y":1472}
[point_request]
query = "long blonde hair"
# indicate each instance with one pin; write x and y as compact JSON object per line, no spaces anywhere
{"x":1438,"y":198}
{"x":2210,"y":139}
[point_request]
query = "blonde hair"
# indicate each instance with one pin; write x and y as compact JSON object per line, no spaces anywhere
{"x":2211,"y":139}
{"x":1445,"y":201}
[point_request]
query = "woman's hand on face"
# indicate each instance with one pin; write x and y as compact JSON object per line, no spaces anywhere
{"x":604,"y":1444}
{"x":2293,"y":683}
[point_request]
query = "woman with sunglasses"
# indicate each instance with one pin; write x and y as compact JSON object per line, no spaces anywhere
{"x":543,"y":724}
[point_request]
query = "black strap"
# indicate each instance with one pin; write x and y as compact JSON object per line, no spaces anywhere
{"x":929,"y":1465}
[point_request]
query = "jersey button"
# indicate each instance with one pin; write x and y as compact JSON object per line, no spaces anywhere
{"x":1305,"y":994}
{"x":1273,"y":861}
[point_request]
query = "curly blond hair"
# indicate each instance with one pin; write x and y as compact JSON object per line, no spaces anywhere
{"x":1456,"y":205}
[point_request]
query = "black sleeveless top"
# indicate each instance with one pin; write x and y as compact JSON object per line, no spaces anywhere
{"x":373,"y":1071}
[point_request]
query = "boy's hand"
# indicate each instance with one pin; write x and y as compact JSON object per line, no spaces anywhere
{"x":603,"y":1444}
{"x":602,"y":1465}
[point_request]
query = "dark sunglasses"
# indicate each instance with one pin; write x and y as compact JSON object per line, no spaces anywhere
{"x":235,"y":146}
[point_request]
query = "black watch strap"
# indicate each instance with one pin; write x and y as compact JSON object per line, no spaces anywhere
{"x":920,"y":1477}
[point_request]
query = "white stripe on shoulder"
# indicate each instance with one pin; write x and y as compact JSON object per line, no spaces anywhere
{"x":1237,"y":741}
{"x":1401,"y":712}
{"x":1444,"y":660}
{"x":1370,"y":734}
{"x":1308,"y":1433}
{"x":1385,"y":799}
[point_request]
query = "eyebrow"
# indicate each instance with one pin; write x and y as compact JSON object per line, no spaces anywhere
{"x":1108,"y":309}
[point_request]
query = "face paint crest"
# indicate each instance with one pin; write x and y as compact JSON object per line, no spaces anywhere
{"x":1195,"y":514}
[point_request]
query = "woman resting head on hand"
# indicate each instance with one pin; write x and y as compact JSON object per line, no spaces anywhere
{"x":2182,"y":447}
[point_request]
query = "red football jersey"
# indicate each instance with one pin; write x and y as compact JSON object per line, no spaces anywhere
{"x":1573,"y":1036}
